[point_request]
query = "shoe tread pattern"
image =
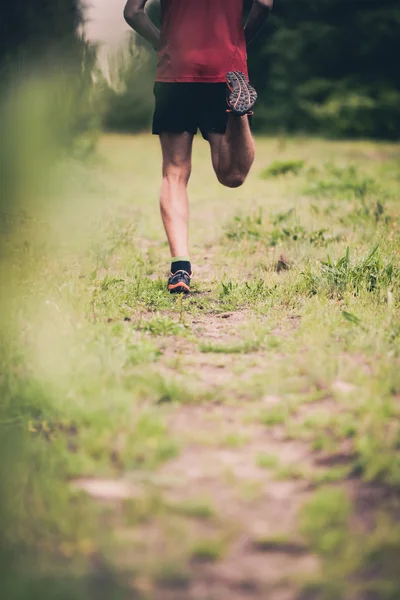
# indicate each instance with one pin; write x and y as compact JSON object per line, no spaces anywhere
{"x":242,"y":96}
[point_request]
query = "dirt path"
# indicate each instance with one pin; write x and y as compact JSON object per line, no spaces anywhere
{"x":249,"y":546}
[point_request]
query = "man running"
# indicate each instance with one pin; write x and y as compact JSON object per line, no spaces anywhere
{"x":201,"y":83}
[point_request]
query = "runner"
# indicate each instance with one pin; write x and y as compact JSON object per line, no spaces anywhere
{"x":201,"y":83}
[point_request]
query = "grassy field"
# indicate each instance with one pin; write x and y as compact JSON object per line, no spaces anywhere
{"x":242,"y":443}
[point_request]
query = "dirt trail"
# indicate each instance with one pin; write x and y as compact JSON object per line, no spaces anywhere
{"x":262,"y":508}
{"x":256,"y":512}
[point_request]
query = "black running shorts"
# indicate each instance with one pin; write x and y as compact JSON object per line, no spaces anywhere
{"x":190,"y":106}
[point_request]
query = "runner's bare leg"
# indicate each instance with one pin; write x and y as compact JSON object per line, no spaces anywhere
{"x":177,"y":166}
{"x":233,"y":152}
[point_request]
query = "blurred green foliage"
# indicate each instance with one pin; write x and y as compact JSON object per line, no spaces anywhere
{"x":129,"y":96}
{"x":46,"y":111}
{"x":45,"y":40}
{"x":329,"y":67}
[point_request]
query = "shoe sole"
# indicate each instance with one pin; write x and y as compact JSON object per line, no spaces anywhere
{"x":179,"y":288}
{"x":242,"y":95}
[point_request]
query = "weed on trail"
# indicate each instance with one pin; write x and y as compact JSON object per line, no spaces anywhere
{"x":160,"y":326}
{"x":244,"y":438}
{"x":369,"y":274}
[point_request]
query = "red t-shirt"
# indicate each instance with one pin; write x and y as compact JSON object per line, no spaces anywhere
{"x":201,"y":40}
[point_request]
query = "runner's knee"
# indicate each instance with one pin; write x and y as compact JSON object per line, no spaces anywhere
{"x":177,"y":173}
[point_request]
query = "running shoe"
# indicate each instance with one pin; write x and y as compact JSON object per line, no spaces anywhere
{"x":179,"y":282}
{"x":241,"y":96}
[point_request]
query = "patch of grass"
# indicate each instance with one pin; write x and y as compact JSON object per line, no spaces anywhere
{"x":235,"y":440}
{"x":145,"y":443}
{"x":340,"y":182}
{"x":150,"y":444}
{"x":169,"y":389}
{"x":267,"y":461}
{"x":234,"y":295}
{"x":287,"y":472}
{"x":141,"y":352}
{"x":325,"y":521}
{"x":245,"y":347}
{"x":250,"y":490}
{"x":297,"y":233}
{"x":378,"y":454}
{"x":117,"y":298}
{"x":278,"y":543}
{"x":275,"y":416}
{"x":172,"y":576}
{"x":283,"y":167}
{"x":143,"y":508}
{"x":250,"y":227}
{"x":371,"y":211}
{"x":256,"y":228}
{"x":321,"y":442}
{"x":207,"y":550}
{"x":163,"y":326}
{"x":331,"y":475}
{"x":355,"y":563}
{"x":199,"y":509}
{"x":370,"y":274}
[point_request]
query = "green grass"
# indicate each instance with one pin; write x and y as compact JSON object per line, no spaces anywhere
{"x":106,"y":376}
{"x":200,"y":509}
{"x":267,"y":461}
{"x":285,"y":167}
{"x":278,"y":543}
{"x":172,"y":577}
{"x":243,"y":348}
{"x":207,"y":550}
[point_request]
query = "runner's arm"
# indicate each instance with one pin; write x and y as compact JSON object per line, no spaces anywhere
{"x":258,"y":16}
{"x":136,"y":17}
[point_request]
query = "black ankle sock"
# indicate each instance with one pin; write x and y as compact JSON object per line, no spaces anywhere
{"x":181,"y":265}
